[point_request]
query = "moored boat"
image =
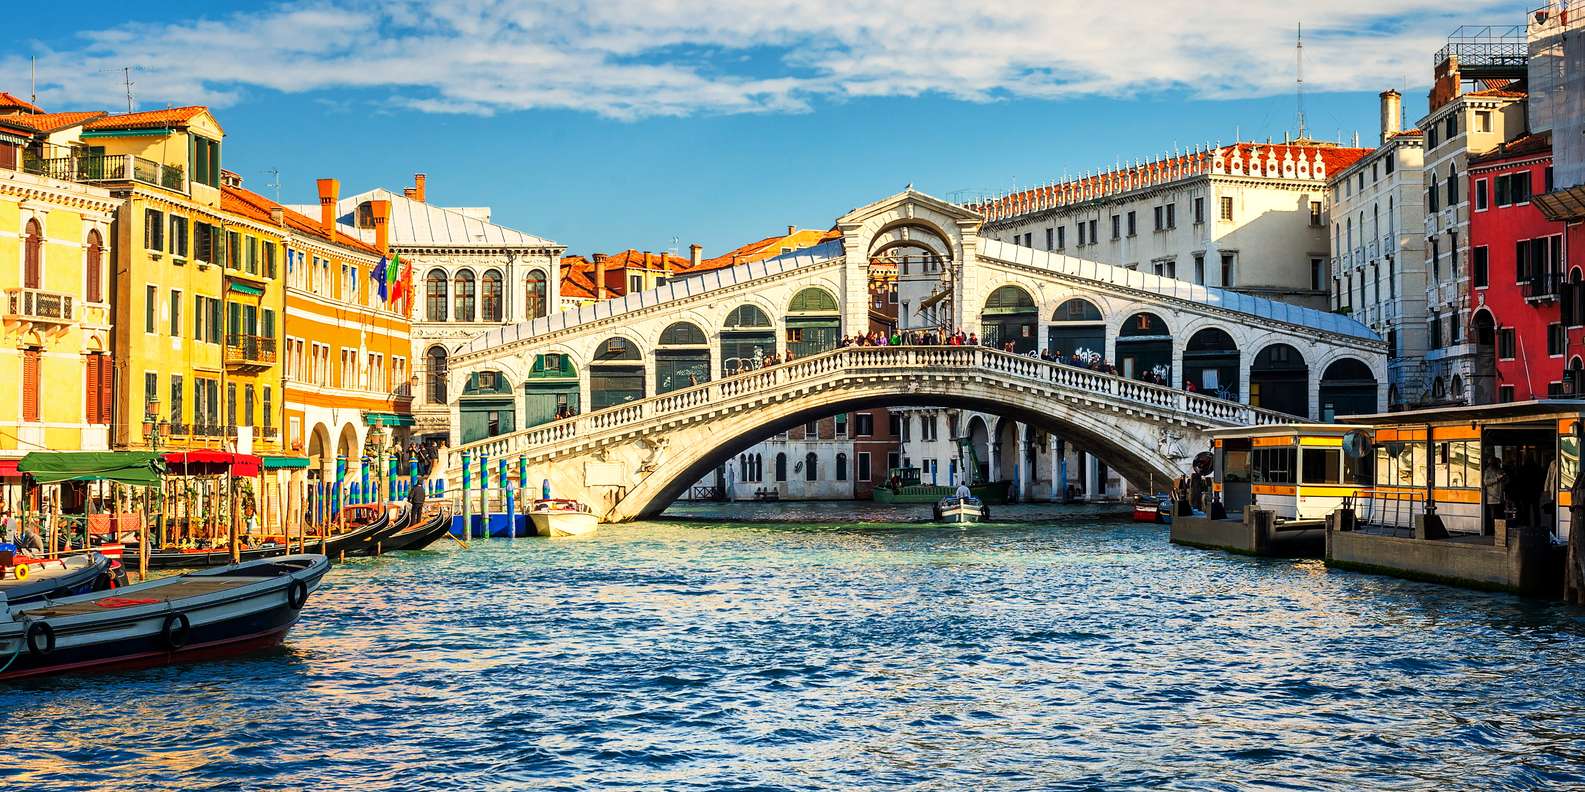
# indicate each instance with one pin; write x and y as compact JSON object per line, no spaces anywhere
{"x":1147,"y":508}
{"x":423,"y":534}
{"x":960,"y":510}
{"x":561,"y":517}
{"x":200,"y":615}
{"x":28,"y":579}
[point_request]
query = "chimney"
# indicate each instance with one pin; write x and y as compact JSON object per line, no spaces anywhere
{"x":599,"y":276}
{"x":277,"y":215}
{"x":409,"y":193}
{"x":792,"y":229}
{"x":380,"y":212}
{"x":1391,"y":113}
{"x":1446,"y":83}
{"x":695,"y":255}
{"x":329,"y":193}
{"x":418,"y":187}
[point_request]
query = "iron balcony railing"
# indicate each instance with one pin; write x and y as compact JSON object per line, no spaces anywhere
{"x":39,"y":305}
{"x":1543,"y":287}
{"x":250,"y":349}
{"x":109,"y":168}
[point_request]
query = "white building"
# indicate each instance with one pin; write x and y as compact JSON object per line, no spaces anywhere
{"x":1043,"y":466}
{"x":1378,"y":250}
{"x":1247,"y":216}
{"x":470,"y":275}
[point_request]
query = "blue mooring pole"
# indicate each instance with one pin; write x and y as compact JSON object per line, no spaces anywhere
{"x":511,"y":504}
{"x":484,"y":494}
{"x":465,"y":473}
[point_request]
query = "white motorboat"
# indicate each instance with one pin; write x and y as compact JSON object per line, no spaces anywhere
{"x":960,"y":510}
{"x":561,"y":517}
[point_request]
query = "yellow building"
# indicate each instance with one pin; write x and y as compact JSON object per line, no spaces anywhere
{"x":55,"y":270}
{"x":196,"y":287}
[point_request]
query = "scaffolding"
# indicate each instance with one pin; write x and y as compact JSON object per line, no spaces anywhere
{"x":1557,"y":84}
{"x":1487,"y":52}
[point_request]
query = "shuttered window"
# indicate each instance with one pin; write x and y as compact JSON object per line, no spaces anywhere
{"x":98,"y":388}
{"x":93,"y":262}
{"x":30,"y":385}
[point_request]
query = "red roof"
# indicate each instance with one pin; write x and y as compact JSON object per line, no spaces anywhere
{"x":577,"y":278}
{"x":1498,"y":93}
{"x":1522,"y":146}
{"x":250,"y":204}
{"x":769,"y":247}
{"x":51,"y":122}
{"x":12,"y":102}
{"x":150,"y":119}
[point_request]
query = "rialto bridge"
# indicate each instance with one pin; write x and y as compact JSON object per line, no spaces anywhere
{"x":624,"y":403}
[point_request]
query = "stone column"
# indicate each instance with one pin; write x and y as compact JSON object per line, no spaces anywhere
{"x":993,"y":450}
{"x":1021,"y":466}
{"x":1055,"y":448}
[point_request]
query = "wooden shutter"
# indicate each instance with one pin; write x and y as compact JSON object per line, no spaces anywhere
{"x":30,"y":385}
{"x":93,"y":260}
{"x":107,"y":387}
{"x":91,"y":390}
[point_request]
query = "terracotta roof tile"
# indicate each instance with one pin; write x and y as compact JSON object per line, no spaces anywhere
{"x":1522,"y":146}
{"x":761,"y":249}
{"x":148,"y":119}
{"x":250,"y":204}
{"x":51,"y":122}
{"x":1498,"y":93}
{"x":13,"y":102}
{"x":577,"y":278}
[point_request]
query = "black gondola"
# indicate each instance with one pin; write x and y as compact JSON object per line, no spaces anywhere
{"x":352,"y":541}
{"x":194,"y":559}
{"x":422,"y":535}
{"x":380,"y":542}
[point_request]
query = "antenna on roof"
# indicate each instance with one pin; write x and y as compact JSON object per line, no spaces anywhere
{"x":275,"y":182}
{"x":33,"y":71}
{"x":1299,"y":49}
{"x":126,"y":83}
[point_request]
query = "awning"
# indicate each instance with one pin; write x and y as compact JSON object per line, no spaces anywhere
{"x":13,"y":139}
{"x":114,"y":133}
{"x":930,"y":302}
{"x":8,"y":468}
{"x":283,"y":462}
{"x":212,"y":463}
{"x":386,"y":419}
{"x":243,"y":288}
{"x":1562,"y":205}
{"x":140,"y":468}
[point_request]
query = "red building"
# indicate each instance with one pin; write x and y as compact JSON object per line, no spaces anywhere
{"x":1516,"y":272}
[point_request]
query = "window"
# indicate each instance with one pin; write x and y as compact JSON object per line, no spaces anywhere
{"x":1199,"y":268}
{"x":1480,"y":195}
{"x":1452,"y":126}
{"x":1521,"y":261}
{"x":1132,"y":226}
{"x":494,"y":294}
{"x":1556,"y":339}
{"x":1505,"y":393}
{"x":206,"y":243}
{"x":781,"y":467}
{"x":206,"y":161}
{"x":176,"y":400}
{"x":151,"y":297}
{"x":269,"y":260}
{"x":1546,"y":180}
{"x":863,"y":472}
{"x":463,"y":302}
{"x":1317,"y":273}
{"x":269,"y":407}
{"x":1432,"y":194}
{"x":435,"y":296}
{"x":1160,"y":217}
{"x":176,"y":314}
{"x":1227,"y":269}
{"x":250,"y":258}
{"x":1199,"y":211}
{"x":1315,"y":214}
{"x":30,"y":385}
{"x":1227,"y":208}
{"x":534,"y":298}
{"x":33,"y":255}
{"x":1093,"y":236}
{"x":1062,"y":237}
{"x":842,"y":425}
{"x":842,"y":467}
{"x":1505,"y":343}
{"x":231,"y":405}
{"x":178,"y":236}
{"x":811,"y":465}
{"x":1481,"y":268}
{"x":894,"y":424}
{"x":233,"y":250}
{"x":153,"y":229}
{"x":1081,"y":233}
{"x":1117,"y":226}
{"x":98,"y":382}
{"x":1482,"y":120}
{"x":1390,"y":163}
{"x":435,"y":376}
{"x":863,"y":424}
{"x":93,"y":264}
{"x":1452,"y":187}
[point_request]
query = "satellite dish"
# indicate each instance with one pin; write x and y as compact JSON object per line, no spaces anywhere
{"x":1356,"y":444}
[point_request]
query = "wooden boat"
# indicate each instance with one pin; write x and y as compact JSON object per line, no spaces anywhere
{"x":29,"y":579}
{"x":196,"y":558}
{"x":422,"y":535}
{"x":380,"y":541}
{"x":217,"y":612}
{"x":350,"y":542}
{"x":561,"y":517}
{"x":960,"y":510}
{"x":1151,"y":509}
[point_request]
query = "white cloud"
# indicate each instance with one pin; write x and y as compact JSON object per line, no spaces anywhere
{"x":638,"y":58}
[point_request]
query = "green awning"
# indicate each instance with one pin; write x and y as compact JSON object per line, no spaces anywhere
{"x":284,"y":462}
{"x":139,"y":468}
{"x":243,"y":288}
{"x":386,"y":419}
{"x":13,"y":139}
{"x":115,"y":133}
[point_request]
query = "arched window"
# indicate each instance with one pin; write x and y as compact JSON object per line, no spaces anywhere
{"x":534,"y":295}
{"x":33,"y":255}
{"x":435,"y":374}
{"x":842,"y":467}
{"x":464,"y":299}
{"x":781,"y":467}
{"x":1077,"y":309}
{"x":1009,"y":317}
{"x":435,"y":296}
{"x":811,"y":463}
{"x":493,"y":294}
{"x":93,"y":260}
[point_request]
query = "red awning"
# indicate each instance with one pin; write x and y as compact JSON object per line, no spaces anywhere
{"x":8,"y":468}
{"x":212,"y":463}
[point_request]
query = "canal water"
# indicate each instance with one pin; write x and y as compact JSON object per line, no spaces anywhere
{"x":791,"y":646}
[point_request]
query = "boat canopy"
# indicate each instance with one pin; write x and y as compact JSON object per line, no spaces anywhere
{"x":139,"y":468}
{"x":212,"y":463}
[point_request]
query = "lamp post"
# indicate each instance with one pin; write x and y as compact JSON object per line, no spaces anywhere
{"x":376,"y":440}
{"x":155,"y":434}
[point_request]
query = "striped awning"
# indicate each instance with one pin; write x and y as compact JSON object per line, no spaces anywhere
{"x":243,"y":288}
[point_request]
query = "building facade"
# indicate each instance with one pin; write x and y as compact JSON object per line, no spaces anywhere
{"x":1378,"y":250}
{"x":1249,"y":217}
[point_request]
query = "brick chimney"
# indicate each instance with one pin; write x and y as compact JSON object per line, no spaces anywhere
{"x":277,"y":215}
{"x":599,"y":276}
{"x":418,"y":187}
{"x":695,"y":255}
{"x":792,"y":229}
{"x":380,"y":211}
{"x":1391,"y":114}
{"x":329,"y":193}
{"x":1445,"y":87}
{"x":409,"y":193}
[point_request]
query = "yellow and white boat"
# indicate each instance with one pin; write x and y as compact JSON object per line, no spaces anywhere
{"x":562,"y":517}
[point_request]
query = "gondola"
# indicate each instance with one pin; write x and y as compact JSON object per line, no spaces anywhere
{"x":380,"y":542}
{"x":217,"y":612}
{"x":209,"y":557}
{"x":351,"y":541}
{"x":32,"y":579}
{"x":420,"y":536}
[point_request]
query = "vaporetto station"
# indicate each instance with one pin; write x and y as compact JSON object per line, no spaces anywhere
{"x":623,"y":404}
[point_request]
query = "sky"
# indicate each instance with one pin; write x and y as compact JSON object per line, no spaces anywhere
{"x":654,"y":124}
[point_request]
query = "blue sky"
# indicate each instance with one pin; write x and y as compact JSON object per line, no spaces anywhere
{"x":625,"y":123}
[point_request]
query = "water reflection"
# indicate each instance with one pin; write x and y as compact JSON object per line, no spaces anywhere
{"x":1052,"y":650}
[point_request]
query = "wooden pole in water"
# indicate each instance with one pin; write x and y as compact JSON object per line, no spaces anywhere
{"x":143,"y":539}
{"x":236,"y":514}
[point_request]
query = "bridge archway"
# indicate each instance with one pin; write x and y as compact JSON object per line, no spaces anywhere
{"x":1077,"y":328}
{"x":813,"y":322}
{"x":682,"y":357}
{"x":1279,"y":380}
{"x":1144,"y":348}
{"x":1210,"y":362}
{"x":616,"y":373}
{"x":980,"y":443}
{"x":747,"y":337}
{"x":1010,"y":315}
{"x":1347,"y":388}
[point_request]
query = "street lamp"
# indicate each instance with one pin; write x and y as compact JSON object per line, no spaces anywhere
{"x":155,"y":432}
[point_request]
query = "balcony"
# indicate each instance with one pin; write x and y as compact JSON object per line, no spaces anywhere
{"x":39,"y":307}
{"x":109,"y":168}
{"x":268,"y":432}
{"x":1543,"y":287}
{"x":249,"y":351}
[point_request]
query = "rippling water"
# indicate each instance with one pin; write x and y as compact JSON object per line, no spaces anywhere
{"x":1070,"y":651}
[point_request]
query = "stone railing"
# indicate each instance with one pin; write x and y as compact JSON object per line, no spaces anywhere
{"x":638,"y":416}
